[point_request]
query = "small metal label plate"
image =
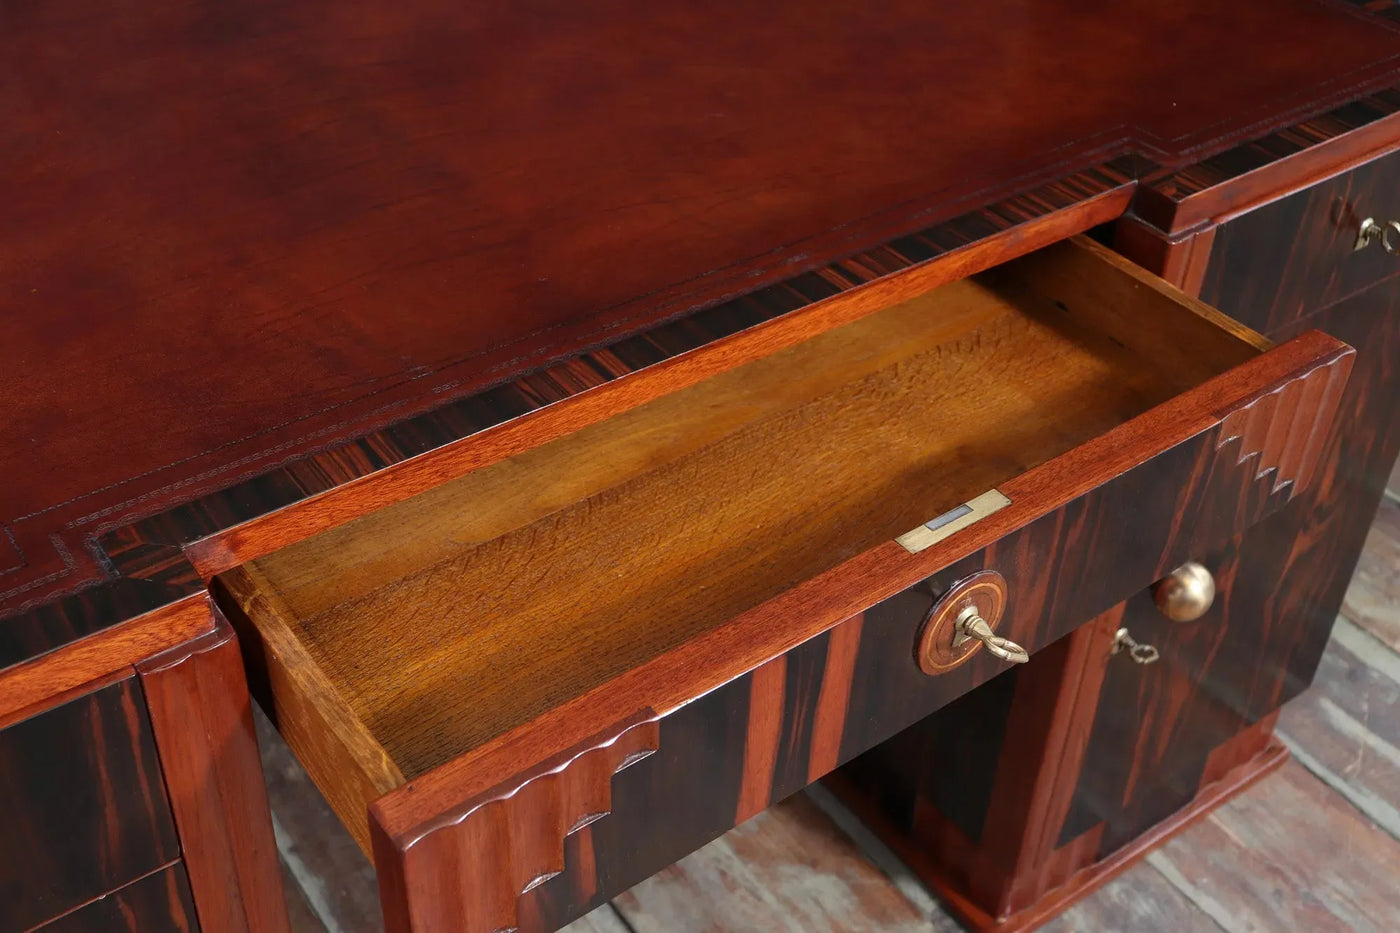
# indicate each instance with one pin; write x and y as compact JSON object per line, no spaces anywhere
{"x":954,"y":520}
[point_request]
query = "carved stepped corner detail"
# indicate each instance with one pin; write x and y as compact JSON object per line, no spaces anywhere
{"x":1284,"y":429}
{"x":502,"y":843}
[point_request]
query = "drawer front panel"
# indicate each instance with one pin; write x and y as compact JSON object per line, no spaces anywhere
{"x":1281,"y":262}
{"x":157,"y":903}
{"x":82,"y":803}
{"x":718,"y":760}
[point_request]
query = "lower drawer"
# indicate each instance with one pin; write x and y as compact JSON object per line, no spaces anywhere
{"x":1290,"y":258}
{"x":82,"y":803}
{"x":540,"y":682}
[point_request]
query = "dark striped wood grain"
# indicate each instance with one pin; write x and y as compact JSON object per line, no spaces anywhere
{"x":157,"y":903}
{"x":1247,"y":157}
{"x":30,"y":635}
{"x":1280,"y":587}
{"x":82,"y":803}
{"x":1275,"y":266}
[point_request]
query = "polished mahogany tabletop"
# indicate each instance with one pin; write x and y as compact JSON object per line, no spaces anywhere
{"x":232,"y":233}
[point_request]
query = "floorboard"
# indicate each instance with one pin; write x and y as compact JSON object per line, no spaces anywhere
{"x":318,"y":855}
{"x":1373,"y":599}
{"x":1140,"y":899}
{"x":788,"y":869}
{"x":1289,"y":854}
{"x":300,"y":914}
{"x":603,"y":920}
{"x":1346,"y":728}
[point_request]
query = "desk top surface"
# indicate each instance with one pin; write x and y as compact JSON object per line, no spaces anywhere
{"x":236,"y":232}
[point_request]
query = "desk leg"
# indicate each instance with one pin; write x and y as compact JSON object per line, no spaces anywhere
{"x":203,"y":723}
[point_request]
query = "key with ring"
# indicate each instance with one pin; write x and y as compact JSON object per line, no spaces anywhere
{"x":1140,"y":653}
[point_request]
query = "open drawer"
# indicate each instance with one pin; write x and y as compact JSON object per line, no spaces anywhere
{"x":534,"y":685}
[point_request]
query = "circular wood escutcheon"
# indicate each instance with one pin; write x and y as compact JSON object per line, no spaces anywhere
{"x":935,"y":654}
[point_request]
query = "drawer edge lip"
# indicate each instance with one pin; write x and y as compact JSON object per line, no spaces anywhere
{"x":123,"y":644}
{"x":650,"y":692}
{"x":1173,"y":211}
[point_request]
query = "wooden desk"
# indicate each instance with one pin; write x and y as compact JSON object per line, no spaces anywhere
{"x":270,"y":272}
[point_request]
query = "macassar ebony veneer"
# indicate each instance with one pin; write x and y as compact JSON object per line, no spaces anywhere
{"x":158,"y":903}
{"x":134,"y":801}
{"x":1088,"y":758}
{"x":465,"y":711}
{"x":85,"y":809}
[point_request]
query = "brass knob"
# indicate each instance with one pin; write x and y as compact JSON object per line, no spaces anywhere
{"x":1371,"y":231}
{"x":1186,"y":594}
{"x":971,"y":625}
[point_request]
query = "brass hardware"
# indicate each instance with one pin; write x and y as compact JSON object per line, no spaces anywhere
{"x":943,"y":640}
{"x":1140,"y":653}
{"x":1371,"y":231}
{"x":970,"y":625}
{"x":1368,"y":232}
{"x":1186,"y":594}
{"x":954,"y":520}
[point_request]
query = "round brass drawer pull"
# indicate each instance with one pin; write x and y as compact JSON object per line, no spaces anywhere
{"x":970,"y":626}
{"x":1388,"y":233}
{"x":1186,"y":594}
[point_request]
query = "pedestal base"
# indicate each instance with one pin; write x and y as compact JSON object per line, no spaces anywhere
{"x":1081,"y":883}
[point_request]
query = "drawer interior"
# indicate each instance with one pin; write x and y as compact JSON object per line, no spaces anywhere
{"x":426,"y":628}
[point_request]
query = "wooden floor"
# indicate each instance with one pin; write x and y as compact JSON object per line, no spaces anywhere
{"x":1313,"y":847}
